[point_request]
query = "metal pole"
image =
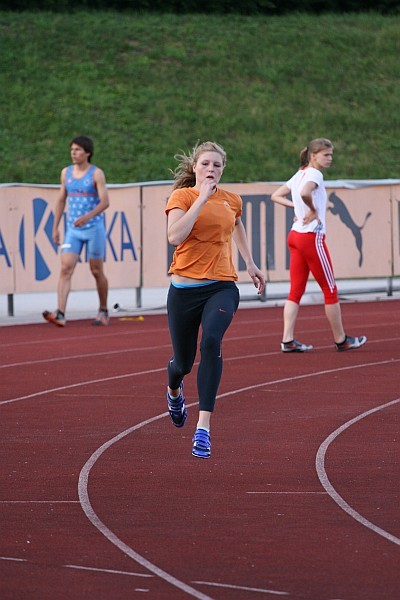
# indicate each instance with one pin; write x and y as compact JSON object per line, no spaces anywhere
{"x":10,"y":304}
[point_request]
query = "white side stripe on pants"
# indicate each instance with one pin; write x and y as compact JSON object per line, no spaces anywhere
{"x":326,"y":267}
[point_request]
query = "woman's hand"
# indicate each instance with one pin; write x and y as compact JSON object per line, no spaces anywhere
{"x":257,"y":276}
{"x":310,"y":216}
{"x":207,"y":188}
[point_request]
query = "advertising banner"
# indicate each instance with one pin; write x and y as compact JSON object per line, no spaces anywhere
{"x":29,"y":259}
{"x":363,"y":235}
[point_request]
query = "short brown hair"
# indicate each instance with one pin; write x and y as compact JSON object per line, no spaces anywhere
{"x":84,"y":142}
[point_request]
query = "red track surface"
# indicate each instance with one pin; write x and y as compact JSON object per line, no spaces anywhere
{"x":100,"y":496}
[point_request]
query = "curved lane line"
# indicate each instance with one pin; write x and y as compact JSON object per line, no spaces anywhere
{"x":110,"y":535}
{"x":84,"y":475}
{"x":323,"y":477}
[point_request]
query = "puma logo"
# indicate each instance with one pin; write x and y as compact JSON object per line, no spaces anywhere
{"x":339,"y":208}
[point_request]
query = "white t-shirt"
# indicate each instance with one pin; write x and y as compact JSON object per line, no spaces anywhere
{"x":296,"y":184}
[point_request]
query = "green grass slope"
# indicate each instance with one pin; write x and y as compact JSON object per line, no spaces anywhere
{"x":145,"y":86}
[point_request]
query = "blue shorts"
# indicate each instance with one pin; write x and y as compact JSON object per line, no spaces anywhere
{"x":94,"y":238}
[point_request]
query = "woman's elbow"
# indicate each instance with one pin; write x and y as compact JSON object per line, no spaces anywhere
{"x":172,"y":239}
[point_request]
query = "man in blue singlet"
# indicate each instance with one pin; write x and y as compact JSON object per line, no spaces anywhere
{"x":84,"y":186}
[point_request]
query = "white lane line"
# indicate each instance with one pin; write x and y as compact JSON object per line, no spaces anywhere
{"x":323,"y":477}
{"x":151,"y":348}
{"x":110,"y":535}
{"x":80,"y":338}
{"x":83,"y":479}
{"x":307,"y":375}
{"x":76,"y":356}
{"x":81,"y":568}
{"x":39,"y":501}
{"x":81,"y":384}
{"x":238,"y":391}
{"x":84,"y":476}
{"x":290,"y":493}
{"x":241,"y":587}
{"x":112,"y":571}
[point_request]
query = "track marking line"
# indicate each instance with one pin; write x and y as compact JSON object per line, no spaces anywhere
{"x":223,"y":395}
{"x":80,"y":384}
{"x":290,"y":493}
{"x":307,"y":375}
{"x":241,"y":587}
{"x":77,"y":356}
{"x":112,"y":571}
{"x":323,"y":477}
{"x":82,"y":568}
{"x":152,"y":348}
{"x":110,"y":535}
{"x":80,"y":338}
{"x":39,"y":502}
{"x":83,"y":478}
{"x":10,"y":558}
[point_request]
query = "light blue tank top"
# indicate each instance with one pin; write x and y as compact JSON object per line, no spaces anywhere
{"x":82,"y":197}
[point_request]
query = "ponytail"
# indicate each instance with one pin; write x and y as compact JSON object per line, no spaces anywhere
{"x":313,"y":147}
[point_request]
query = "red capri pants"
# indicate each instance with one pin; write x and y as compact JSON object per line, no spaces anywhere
{"x":308,"y":252}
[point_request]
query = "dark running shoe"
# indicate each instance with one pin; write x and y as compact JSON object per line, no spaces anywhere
{"x":177,"y":409}
{"x":55,"y":317}
{"x":201,"y":444}
{"x":350,"y":343}
{"x":295,"y":346}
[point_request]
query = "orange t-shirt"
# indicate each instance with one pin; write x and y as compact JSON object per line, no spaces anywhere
{"x":207,"y":251}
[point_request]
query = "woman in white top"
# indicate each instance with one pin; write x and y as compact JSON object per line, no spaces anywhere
{"x":307,"y":246}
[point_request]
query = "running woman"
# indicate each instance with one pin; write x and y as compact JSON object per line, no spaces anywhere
{"x":307,"y":246}
{"x":84,"y":186}
{"x":202,"y":221}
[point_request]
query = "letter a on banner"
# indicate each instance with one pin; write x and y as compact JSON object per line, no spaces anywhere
{"x":3,"y":251}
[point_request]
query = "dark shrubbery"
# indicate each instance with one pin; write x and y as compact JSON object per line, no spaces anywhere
{"x":243,"y":7}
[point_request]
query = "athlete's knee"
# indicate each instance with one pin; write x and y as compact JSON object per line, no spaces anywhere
{"x":67,"y":270}
{"x":210,"y":345}
{"x":97,"y":270}
{"x":295,"y":296}
{"x":179,"y":369}
{"x":331,"y":298}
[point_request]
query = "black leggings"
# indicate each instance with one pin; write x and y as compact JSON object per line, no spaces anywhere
{"x":212,"y":306}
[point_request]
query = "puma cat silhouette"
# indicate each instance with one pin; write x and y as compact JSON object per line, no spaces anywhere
{"x":339,"y":208}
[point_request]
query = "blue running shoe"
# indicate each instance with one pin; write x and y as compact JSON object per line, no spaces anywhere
{"x":201,"y":444}
{"x":177,"y":409}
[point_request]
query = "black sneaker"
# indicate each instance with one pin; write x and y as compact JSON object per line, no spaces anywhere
{"x":351,"y":342}
{"x":295,"y":346}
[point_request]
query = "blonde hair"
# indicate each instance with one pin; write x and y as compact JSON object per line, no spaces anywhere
{"x":184,"y":176}
{"x":313,"y":147}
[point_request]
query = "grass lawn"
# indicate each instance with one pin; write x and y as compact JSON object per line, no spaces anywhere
{"x":145,"y":86}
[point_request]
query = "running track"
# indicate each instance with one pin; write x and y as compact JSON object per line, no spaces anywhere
{"x":101,"y":499}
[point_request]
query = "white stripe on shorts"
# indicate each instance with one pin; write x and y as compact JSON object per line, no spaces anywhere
{"x":326,"y":266}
